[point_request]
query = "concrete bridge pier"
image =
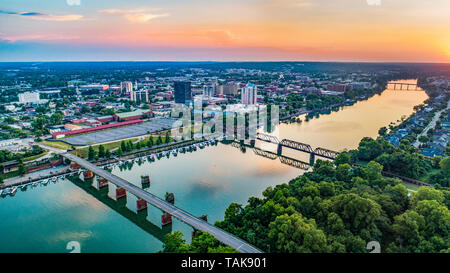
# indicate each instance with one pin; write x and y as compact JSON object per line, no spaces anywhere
{"x":153,"y":215}
{"x":99,"y":182}
{"x":95,"y":183}
{"x":112,"y":191}
{"x":312,"y":159}
{"x":166,"y":219}
{"x":132,"y":203}
{"x":86,"y":175}
{"x":135,"y":204}
{"x":279,"y":149}
{"x":115,"y":192}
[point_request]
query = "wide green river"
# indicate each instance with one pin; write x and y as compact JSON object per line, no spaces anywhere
{"x":46,"y":218}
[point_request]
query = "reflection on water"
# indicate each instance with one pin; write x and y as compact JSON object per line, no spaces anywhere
{"x":44,"y":219}
{"x":344,"y":129}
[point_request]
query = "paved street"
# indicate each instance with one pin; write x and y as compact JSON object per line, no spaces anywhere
{"x":430,"y":125}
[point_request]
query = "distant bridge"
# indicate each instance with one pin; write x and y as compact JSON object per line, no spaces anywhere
{"x":186,"y":217}
{"x":273,"y":156}
{"x":295,"y":145}
{"x":326,"y":153}
{"x":400,"y":85}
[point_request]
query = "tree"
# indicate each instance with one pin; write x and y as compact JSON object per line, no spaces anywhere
{"x":21,"y":170}
{"x":445,"y":165}
{"x":202,"y":242}
{"x":436,"y":161}
{"x":175,"y":243}
{"x":91,"y":153}
{"x":342,"y":158}
{"x":373,"y":170}
{"x":427,"y":193}
{"x":358,"y":213}
{"x":101,"y":151}
{"x":295,"y":234}
{"x":382,"y":131}
{"x":423,"y":139}
{"x":57,"y":118}
{"x":159,"y":140}
{"x":167,"y":140}
{"x":369,"y":149}
{"x":407,"y":227}
{"x":108,"y":154}
{"x":150,"y":142}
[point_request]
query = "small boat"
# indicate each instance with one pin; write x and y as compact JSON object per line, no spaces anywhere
{"x":6,"y":192}
{"x":13,"y":191}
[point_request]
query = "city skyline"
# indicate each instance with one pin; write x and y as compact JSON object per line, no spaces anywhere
{"x":250,"y":30}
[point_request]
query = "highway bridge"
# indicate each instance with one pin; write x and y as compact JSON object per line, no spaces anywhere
{"x":198,"y":224}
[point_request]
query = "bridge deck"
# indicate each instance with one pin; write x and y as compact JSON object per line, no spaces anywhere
{"x":182,"y":215}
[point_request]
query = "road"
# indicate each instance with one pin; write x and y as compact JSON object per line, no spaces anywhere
{"x":430,"y":125}
{"x":51,"y":149}
{"x":34,"y":176}
{"x":182,"y":215}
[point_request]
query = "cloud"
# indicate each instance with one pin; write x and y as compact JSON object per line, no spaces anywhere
{"x":289,"y":3}
{"x":301,"y":3}
{"x":136,"y":16}
{"x":39,"y":37}
{"x":373,"y":2}
{"x":73,"y":2}
{"x":43,"y":16}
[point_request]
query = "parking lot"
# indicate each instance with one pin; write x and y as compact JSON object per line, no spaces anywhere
{"x":155,"y":125}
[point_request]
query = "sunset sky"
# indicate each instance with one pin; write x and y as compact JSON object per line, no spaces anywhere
{"x":225,"y":30}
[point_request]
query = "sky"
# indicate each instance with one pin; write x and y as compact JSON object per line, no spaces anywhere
{"x":225,"y":30}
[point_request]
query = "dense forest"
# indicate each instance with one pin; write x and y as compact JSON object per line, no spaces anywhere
{"x":340,"y":207}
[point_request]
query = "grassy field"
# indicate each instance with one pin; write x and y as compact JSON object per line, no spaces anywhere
{"x":34,"y":156}
{"x":110,"y":146}
{"x":57,"y":144}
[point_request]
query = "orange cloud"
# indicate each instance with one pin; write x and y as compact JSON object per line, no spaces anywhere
{"x":135,"y":16}
{"x":41,"y":37}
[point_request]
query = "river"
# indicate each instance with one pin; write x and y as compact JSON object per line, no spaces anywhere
{"x":46,"y":218}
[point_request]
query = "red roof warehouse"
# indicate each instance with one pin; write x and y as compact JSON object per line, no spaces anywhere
{"x":93,"y":129}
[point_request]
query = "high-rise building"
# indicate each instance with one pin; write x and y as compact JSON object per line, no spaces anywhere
{"x":182,"y":91}
{"x":338,"y":87}
{"x":248,"y":94}
{"x":29,"y":97}
{"x":127,"y":86}
{"x":230,"y":88}
{"x":208,"y":91}
{"x":139,"y":96}
{"x":217,"y":89}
